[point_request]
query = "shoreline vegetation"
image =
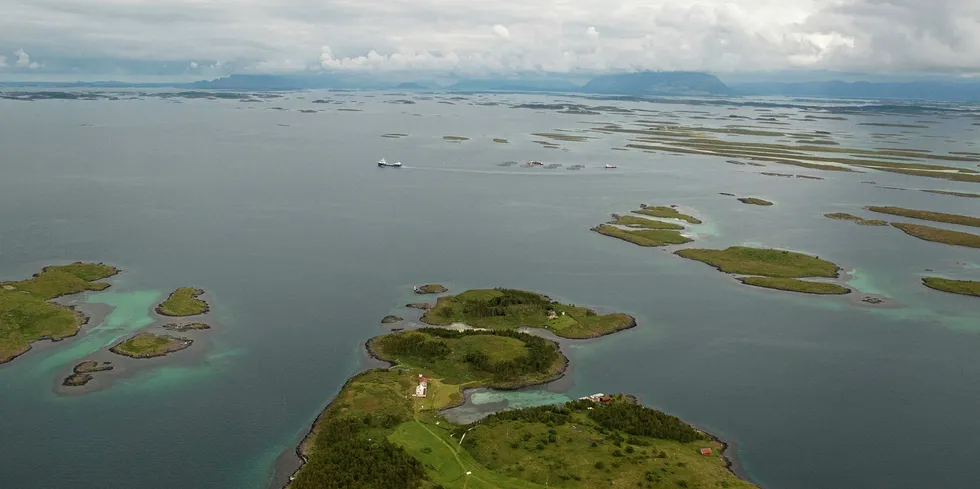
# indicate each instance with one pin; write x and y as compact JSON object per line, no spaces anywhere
{"x":506,"y":309}
{"x":149,"y":345}
{"x":183,"y":302}
{"x":843,"y":216}
{"x":181,"y":328}
{"x":29,"y":316}
{"x":375,"y":433}
{"x":771,"y":268}
{"x":927,"y":215}
{"x":961,"y":287}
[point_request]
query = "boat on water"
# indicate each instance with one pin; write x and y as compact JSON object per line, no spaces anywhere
{"x":382,"y":164}
{"x":608,"y":165}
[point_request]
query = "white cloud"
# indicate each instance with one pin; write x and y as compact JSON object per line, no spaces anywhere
{"x":194,"y":65}
{"x":3,"y":61}
{"x":563,"y":35}
{"x":24,"y":60}
{"x":501,"y":31}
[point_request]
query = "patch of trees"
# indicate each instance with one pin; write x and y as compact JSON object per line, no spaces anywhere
{"x":547,"y":415}
{"x":343,"y":458}
{"x":637,"y":420}
{"x":415,"y":345}
{"x":541,"y":353}
{"x":510,"y":302}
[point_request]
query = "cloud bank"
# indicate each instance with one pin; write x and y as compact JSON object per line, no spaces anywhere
{"x":264,"y":36}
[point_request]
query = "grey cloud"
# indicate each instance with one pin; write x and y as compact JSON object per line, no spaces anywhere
{"x":504,"y":35}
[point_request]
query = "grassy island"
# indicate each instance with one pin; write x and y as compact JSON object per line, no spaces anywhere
{"x":430,"y":289}
{"x":639,"y":222}
{"x":183,"y":302}
{"x":962,"y":287}
{"x":843,"y":216}
{"x":796,"y":285}
{"x":455,"y":139}
{"x":500,"y":140}
{"x":506,"y":309}
{"x":377,"y":434}
{"x":754,"y":201}
{"x":644,"y":237}
{"x":770,"y":268}
{"x":938,"y":235}
{"x":26,"y":315}
{"x":149,"y":345}
{"x":928,"y":215}
{"x":667,"y":213}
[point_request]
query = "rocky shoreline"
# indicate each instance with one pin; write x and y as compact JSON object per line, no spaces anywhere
{"x":183,"y":328}
{"x":82,"y":373}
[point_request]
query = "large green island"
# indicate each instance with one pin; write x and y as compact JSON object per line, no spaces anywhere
{"x":771,"y":269}
{"x":384,"y":430}
{"x":505,"y":309}
{"x":27,"y":315}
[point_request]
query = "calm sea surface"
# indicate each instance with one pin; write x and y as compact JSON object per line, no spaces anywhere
{"x":304,"y":245}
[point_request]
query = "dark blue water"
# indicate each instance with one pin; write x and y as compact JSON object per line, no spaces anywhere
{"x":304,"y":245}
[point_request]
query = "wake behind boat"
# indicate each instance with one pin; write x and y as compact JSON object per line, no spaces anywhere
{"x":382,"y":164}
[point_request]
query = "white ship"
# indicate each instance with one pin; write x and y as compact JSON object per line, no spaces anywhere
{"x":382,"y":163}
{"x":608,"y":165}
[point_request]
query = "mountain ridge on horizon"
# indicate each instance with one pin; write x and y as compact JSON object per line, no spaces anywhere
{"x":641,"y":83}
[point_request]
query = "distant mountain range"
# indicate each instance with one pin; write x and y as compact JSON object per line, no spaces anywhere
{"x":639,"y":84}
{"x":658,"y":83}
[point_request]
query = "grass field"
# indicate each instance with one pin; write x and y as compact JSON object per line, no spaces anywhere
{"x":796,"y":285}
{"x":667,"y":213}
{"x":644,"y":237}
{"x":639,"y":222}
{"x":842,"y":216}
{"x":26,"y":315}
{"x":928,"y":215}
{"x":962,"y":287}
{"x":938,"y":235}
{"x":509,"y":309}
{"x":763,"y":262}
{"x":575,"y":452}
{"x":183,"y":302}
{"x":149,"y":345}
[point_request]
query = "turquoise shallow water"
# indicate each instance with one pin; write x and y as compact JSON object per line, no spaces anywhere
{"x":304,"y":244}
{"x":130,"y":312}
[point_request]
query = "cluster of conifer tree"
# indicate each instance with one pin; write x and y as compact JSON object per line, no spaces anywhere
{"x":344,"y":458}
{"x":541,"y":353}
{"x":618,"y":416}
{"x":511,"y":302}
{"x":637,"y":420}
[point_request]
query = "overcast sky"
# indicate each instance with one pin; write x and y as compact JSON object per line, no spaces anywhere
{"x":209,"y":38}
